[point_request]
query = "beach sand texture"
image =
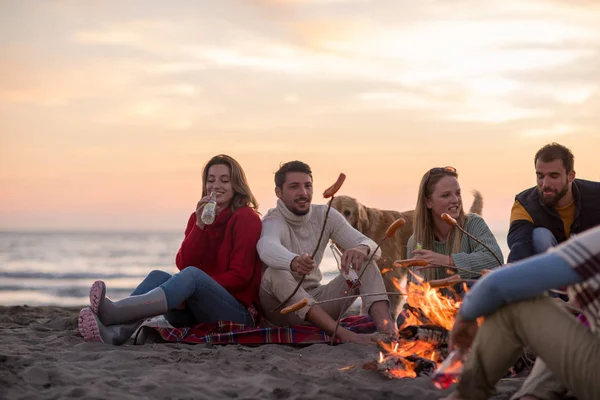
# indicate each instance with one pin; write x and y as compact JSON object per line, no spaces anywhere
{"x":43,"y":356}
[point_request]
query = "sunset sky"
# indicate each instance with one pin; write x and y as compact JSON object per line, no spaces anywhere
{"x":108,"y":110}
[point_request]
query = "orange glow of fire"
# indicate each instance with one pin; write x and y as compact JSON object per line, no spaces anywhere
{"x":440,"y":310}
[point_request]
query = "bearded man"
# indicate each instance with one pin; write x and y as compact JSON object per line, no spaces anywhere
{"x":289,"y":232}
{"x":557,"y":208}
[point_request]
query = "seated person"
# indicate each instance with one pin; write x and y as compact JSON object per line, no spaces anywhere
{"x":220,"y":269}
{"x":289,"y":236}
{"x":517,"y":315}
{"x":441,"y":244}
{"x":558,"y":207}
{"x":542,"y":217}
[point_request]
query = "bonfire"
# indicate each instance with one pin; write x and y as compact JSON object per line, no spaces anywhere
{"x":423,"y":341}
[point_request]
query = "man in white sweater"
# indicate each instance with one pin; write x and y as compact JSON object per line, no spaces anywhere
{"x":289,"y":236}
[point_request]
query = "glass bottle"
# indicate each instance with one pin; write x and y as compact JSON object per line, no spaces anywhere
{"x":209,"y":211}
{"x":450,"y":369}
{"x":351,"y":276}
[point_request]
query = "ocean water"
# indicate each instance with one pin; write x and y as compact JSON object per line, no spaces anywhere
{"x":57,"y":268}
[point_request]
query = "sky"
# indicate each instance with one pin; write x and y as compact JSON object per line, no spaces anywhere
{"x":109,"y":110}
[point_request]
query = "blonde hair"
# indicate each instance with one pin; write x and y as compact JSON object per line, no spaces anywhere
{"x":242,"y":195}
{"x":423,"y":219}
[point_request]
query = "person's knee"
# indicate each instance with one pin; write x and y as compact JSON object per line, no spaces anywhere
{"x":276,"y":277}
{"x":159,"y":276}
{"x":195,"y":274}
{"x":543,"y":239}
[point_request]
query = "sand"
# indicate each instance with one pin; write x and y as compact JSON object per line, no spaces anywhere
{"x":43,"y":356}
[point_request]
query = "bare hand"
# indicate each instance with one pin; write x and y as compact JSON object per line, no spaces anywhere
{"x":431,"y":257}
{"x":303,"y":264}
{"x":355,"y":257}
{"x":462,"y":333}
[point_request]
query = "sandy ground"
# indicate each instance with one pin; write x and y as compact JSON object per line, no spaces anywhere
{"x":43,"y":356}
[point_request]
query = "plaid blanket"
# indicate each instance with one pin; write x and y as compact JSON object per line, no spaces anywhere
{"x":227,"y":332}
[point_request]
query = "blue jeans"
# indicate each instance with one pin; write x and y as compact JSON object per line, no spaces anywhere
{"x":543,"y":239}
{"x":207,"y":301}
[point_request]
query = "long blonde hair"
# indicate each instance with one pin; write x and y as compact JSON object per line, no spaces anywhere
{"x":242,"y":195}
{"x":423,"y":219}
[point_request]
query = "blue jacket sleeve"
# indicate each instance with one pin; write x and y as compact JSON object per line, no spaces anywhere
{"x":520,"y":240}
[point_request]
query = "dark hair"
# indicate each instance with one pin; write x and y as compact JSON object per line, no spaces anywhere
{"x":555,"y":151}
{"x":242,"y":195}
{"x":290,"y":166}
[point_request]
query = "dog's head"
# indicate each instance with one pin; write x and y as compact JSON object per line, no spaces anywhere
{"x":354,"y":212}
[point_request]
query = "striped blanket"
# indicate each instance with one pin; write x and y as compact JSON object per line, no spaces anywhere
{"x":227,"y":332}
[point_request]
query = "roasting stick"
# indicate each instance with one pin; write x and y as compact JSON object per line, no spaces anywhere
{"x":304,"y":301}
{"x":414,"y":262}
{"x":451,"y":221}
{"x":422,"y":264}
{"x":397,"y":224}
{"x":328,"y":193}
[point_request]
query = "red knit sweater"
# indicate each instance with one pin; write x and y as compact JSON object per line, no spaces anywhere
{"x":226,"y":251}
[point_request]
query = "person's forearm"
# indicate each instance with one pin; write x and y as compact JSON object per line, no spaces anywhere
{"x":348,"y":237}
{"x":270,"y":249}
{"x":523,"y":280}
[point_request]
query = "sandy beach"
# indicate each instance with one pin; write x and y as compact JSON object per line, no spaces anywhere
{"x":42,"y":355}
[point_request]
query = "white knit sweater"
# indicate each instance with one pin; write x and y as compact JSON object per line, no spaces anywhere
{"x":286,"y":235}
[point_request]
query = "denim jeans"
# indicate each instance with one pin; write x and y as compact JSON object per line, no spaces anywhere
{"x":206,"y":300}
{"x":543,"y":239}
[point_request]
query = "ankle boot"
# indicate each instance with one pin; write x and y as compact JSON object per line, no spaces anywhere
{"x":128,"y":310}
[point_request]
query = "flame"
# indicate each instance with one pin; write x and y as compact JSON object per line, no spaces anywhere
{"x":437,"y":309}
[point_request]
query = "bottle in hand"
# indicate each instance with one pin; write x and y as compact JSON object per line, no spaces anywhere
{"x":351,"y":277}
{"x":450,"y":369}
{"x":209,"y":211}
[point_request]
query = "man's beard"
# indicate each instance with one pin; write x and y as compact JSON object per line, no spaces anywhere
{"x":553,"y":201}
{"x":301,"y":212}
{"x":298,"y":212}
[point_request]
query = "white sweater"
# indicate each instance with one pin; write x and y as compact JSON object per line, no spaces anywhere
{"x":286,"y":235}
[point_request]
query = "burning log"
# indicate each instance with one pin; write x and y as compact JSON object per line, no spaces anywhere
{"x":410,"y":313}
{"x":433,"y":334}
{"x":394,"y":365}
{"x":423,"y":336}
{"x":422,"y":366}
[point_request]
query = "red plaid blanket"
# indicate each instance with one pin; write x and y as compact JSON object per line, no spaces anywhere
{"x":227,"y":332}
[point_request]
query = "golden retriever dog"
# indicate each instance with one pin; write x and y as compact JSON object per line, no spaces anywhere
{"x":373,"y":223}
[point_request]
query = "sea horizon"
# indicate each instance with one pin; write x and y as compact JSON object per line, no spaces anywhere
{"x":57,"y":267}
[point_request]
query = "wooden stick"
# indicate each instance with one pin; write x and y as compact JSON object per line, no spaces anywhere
{"x":388,"y":233}
{"x":304,"y":301}
{"x":451,"y":221}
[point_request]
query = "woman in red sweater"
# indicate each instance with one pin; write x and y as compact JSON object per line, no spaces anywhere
{"x":220,"y":270}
